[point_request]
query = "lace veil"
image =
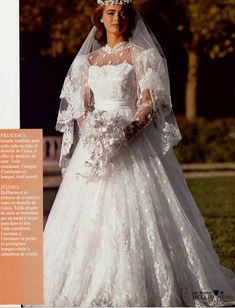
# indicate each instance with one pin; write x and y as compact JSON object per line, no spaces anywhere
{"x":148,"y":59}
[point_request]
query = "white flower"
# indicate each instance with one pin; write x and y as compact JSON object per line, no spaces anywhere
{"x":107,"y":135}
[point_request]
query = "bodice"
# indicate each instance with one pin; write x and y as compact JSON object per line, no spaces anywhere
{"x":135,"y":79}
{"x":113,"y":82}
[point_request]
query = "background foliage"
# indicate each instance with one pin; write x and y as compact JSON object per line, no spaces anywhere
{"x":197,"y":37}
{"x":208,"y":24}
{"x":207,"y":141}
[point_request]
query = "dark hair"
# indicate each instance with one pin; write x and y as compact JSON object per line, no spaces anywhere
{"x":100,"y":35}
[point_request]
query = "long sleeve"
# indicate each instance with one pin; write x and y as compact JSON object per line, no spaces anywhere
{"x":88,"y":97}
{"x":75,"y":101}
{"x":145,"y":111}
{"x":154,"y":99}
{"x":143,"y":116}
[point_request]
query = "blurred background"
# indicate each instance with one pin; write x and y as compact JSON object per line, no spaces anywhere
{"x":197,"y":37}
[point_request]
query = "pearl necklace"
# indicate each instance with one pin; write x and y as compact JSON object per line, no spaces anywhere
{"x":119,"y":47}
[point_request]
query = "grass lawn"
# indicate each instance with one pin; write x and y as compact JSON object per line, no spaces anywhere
{"x":216,"y":200}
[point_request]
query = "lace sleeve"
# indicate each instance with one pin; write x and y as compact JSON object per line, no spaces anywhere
{"x":142,"y":117}
{"x":145,"y":110}
{"x":154,"y":100}
{"x":75,"y":102}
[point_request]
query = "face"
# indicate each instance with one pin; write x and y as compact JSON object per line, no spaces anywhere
{"x":114,"y":19}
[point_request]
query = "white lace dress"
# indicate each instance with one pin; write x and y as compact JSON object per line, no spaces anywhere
{"x":133,"y":237}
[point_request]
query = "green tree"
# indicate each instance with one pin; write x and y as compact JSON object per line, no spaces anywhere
{"x":65,"y":23}
{"x":208,"y":26}
{"x":211,"y":24}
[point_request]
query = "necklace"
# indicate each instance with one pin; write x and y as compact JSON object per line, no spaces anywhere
{"x":119,"y":47}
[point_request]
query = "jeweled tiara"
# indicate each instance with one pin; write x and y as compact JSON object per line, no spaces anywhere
{"x":108,"y":2}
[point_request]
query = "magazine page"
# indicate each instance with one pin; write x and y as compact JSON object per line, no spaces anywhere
{"x":127,"y":126}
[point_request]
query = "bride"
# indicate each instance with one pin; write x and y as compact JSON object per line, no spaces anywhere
{"x":124,"y":229}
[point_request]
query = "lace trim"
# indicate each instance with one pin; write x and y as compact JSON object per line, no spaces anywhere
{"x":154,"y":77}
{"x":117,"y":48}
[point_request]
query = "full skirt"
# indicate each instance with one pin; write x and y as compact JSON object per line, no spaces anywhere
{"x":134,"y":237}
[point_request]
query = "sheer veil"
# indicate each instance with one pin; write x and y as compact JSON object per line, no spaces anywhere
{"x":154,"y":76}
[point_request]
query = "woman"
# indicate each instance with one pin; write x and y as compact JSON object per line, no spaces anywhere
{"x":124,"y":229}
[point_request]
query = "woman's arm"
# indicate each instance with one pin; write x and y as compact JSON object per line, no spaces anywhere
{"x":82,"y":118}
{"x":142,"y":117}
{"x":72,"y":106}
{"x":154,"y":99}
{"x":87,"y":100}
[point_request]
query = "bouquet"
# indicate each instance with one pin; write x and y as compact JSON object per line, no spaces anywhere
{"x":102,"y":136}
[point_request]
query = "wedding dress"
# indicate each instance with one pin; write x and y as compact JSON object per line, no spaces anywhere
{"x":134,"y":235}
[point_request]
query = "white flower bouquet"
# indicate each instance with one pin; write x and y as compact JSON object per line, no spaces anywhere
{"x":102,"y":135}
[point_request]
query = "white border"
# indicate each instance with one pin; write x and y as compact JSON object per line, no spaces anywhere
{"x":9,"y":68}
{"x":9,"y":64}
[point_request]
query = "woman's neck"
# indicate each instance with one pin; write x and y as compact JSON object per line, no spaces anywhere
{"x":113,"y":40}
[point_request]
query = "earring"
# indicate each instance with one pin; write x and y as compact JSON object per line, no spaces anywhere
{"x":101,"y":20}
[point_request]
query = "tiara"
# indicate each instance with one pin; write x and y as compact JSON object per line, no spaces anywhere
{"x":108,"y":2}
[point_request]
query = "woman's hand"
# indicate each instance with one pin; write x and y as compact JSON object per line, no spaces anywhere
{"x":81,"y":119}
{"x":132,"y":130}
